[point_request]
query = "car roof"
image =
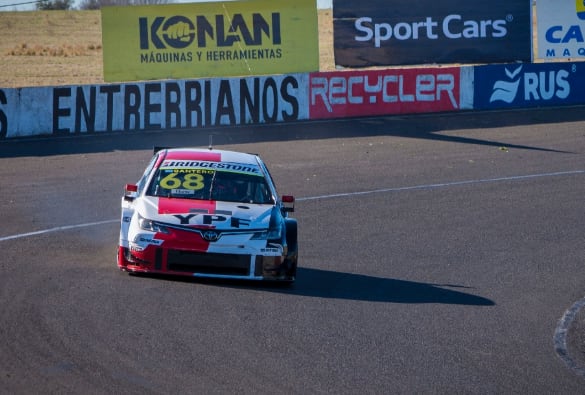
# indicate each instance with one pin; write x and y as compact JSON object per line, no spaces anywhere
{"x":213,"y":155}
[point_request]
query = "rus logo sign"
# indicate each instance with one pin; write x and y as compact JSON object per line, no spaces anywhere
{"x":537,"y":86}
{"x":179,"y":31}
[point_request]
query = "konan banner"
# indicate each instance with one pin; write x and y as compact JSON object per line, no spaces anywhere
{"x":217,"y":39}
{"x":413,"y":32}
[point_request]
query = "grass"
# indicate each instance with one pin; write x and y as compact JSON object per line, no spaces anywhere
{"x":49,"y":48}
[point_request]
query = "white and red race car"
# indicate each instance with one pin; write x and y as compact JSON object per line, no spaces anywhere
{"x":208,"y":213}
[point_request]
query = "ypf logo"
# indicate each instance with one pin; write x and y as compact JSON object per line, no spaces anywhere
{"x":176,"y":32}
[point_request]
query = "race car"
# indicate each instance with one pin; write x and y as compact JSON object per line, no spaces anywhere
{"x":208,"y":213}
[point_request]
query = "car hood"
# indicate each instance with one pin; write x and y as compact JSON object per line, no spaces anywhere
{"x":205,"y":213}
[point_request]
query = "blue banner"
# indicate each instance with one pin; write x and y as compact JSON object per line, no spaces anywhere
{"x":411,"y":32}
{"x":529,"y":85}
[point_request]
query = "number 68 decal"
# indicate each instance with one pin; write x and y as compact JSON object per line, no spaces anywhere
{"x":191,"y":181}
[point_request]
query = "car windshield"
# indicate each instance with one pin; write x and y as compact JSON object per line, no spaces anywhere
{"x":210,"y":184}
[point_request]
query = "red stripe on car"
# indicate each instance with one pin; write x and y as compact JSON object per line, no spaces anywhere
{"x":186,"y":206}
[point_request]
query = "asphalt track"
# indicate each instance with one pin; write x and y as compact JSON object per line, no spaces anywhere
{"x":438,"y":254}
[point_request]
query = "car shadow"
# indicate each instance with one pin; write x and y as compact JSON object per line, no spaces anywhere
{"x":319,"y":283}
{"x":329,"y":284}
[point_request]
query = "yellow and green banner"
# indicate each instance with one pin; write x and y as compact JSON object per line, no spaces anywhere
{"x":217,"y":39}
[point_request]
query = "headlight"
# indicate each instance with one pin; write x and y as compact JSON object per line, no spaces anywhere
{"x":269,"y":234}
{"x":151,"y":226}
{"x":274,"y":231}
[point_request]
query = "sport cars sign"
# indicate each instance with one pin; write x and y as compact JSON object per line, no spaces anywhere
{"x":402,"y":32}
{"x":209,"y":39}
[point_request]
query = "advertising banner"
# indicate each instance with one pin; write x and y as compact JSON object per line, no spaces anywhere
{"x":529,"y":85}
{"x":384,"y":92}
{"x":156,"y":105}
{"x":218,"y":39}
{"x":410,"y":32}
{"x":560,"y":29}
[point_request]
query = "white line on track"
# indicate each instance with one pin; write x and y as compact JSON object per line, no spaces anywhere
{"x":443,"y":185}
{"x":57,"y":229}
{"x":332,"y":196}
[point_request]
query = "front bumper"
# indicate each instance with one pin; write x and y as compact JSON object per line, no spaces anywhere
{"x":272,"y":266}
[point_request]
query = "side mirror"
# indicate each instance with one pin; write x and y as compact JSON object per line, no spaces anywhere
{"x":130,"y":192}
{"x":288,"y":203}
